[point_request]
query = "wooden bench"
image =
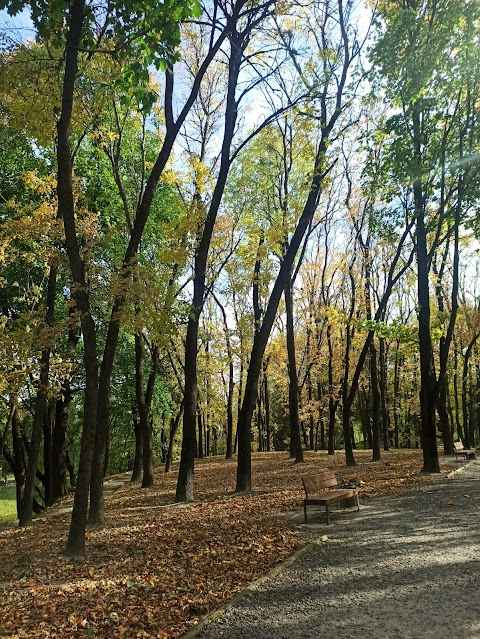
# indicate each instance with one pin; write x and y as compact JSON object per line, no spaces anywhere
{"x":315,"y":492}
{"x":459,"y":450}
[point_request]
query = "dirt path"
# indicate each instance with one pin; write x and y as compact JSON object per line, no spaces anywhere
{"x":404,"y":568}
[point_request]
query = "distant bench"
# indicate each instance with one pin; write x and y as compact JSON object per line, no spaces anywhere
{"x":315,"y":493}
{"x":459,"y":450}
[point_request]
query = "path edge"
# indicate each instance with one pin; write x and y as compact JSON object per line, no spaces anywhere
{"x":251,"y":588}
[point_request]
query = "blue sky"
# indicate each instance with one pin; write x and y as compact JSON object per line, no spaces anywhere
{"x":19,"y":28}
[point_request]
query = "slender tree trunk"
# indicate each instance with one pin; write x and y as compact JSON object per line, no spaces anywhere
{"x":347,"y":394}
{"x":396,"y":397}
{"x":208,"y":431}
{"x":48,"y":423}
{"x":467,"y":431}
{"x":244,"y":467}
{"x":35,"y":442}
{"x":267,"y":408}
{"x":311,"y":421}
{"x":332,"y":403}
{"x":384,"y":394}
{"x":39,"y":413}
{"x":231,"y":381}
{"x":292,"y":377}
{"x":144,"y":400}
{"x":231,"y":388}
{"x":138,"y":459}
{"x":174,"y":423}
{"x":201,"y":449}
{"x":456,"y":394}
{"x":376,"y":455}
{"x":320,"y":419}
{"x":471,"y":411}
{"x":363,"y":411}
{"x":76,"y":538}
{"x":184,"y":490}
{"x":260,"y":423}
{"x":17,"y":463}
{"x":427,"y":369}
{"x":59,"y":444}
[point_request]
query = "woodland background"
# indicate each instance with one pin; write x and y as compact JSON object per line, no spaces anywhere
{"x":230,"y":227}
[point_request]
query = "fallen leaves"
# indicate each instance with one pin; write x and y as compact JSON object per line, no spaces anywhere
{"x":155,"y":569}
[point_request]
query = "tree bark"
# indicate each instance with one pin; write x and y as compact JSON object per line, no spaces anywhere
{"x":384,"y":394}
{"x":244,"y":467}
{"x":48,"y":423}
{"x":292,"y":376}
{"x":40,"y":410}
{"x":76,"y":538}
{"x":184,"y":491}
{"x":174,"y":423}
{"x":467,"y":433}
{"x":138,"y":459}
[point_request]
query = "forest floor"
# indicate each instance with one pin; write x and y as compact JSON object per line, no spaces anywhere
{"x":404,"y":567}
{"x":157,"y":567}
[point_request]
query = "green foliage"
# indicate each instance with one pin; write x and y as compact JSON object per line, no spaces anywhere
{"x":404,"y":333}
{"x":139,"y":34}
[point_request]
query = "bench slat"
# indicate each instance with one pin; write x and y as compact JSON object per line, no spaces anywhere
{"x":315,"y":484}
{"x":315,"y":492}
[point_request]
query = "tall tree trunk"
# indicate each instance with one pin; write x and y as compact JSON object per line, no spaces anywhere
{"x":138,"y":459}
{"x":471,"y":411}
{"x":444,"y":424}
{"x":244,"y":467}
{"x":260,"y":423}
{"x":456,"y":394}
{"x":376,"y":455}
{"x":174,"y":423}
{"x":332,"y":402}
{"x":384,"y":395}
{"x":427,"y":368}
{"x":396,"y":397}
{"x":59,"y":443}
{"x":17,"y":461}
{"x":266,"y":393}
{"x":467,"y":433}
{"x":348,"y":392}
{"x":320,"y":419}
{"x":184,"y":491}
{"x":76,"y":538}
{"x":292,"y":376}
{"x":48,"y":423}
{"x":40,"y":410}
{"x":201,"y":449}
{"x":144,"y":402}
{"x":311,"y":421}
{"x":363,"y":411}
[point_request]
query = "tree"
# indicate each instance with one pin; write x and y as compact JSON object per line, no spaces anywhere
{"x":339,"y":46}
{"x":431,"y":105}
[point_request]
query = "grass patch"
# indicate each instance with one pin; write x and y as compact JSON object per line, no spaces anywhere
{"x":8,"y":504}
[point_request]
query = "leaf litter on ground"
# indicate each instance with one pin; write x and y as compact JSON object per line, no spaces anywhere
{"x":157,"y":567}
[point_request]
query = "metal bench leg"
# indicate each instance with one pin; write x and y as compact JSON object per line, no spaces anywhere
{"x":328,"y":513}
{"x":305,"y":511}
{"x":358,"y":502}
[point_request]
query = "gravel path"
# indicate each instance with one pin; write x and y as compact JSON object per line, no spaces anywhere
{"x":407,"y":567}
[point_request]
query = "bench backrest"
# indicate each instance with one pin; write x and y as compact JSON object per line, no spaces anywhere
{"x":458,"y":445}
{"x":315,"y":483}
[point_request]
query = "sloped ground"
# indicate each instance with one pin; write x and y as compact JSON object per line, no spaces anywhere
{"x":156,"y":568}
{"x":406,"y":568}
